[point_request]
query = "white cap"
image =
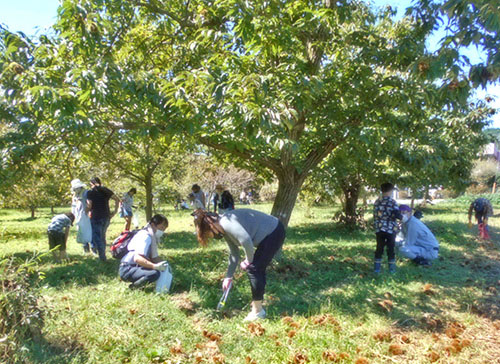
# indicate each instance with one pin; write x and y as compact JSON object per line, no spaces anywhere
{"x":76,"y":183}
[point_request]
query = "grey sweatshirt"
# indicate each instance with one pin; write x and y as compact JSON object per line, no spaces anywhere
{"x":247,"y":228}
{"x":416,"y":233}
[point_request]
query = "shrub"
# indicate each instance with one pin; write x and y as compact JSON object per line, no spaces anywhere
{"x":468,"y":198}
{"x":485,"y":172}
{"x":20,"y":315}
{"x":477,"y":189}
{"x":268,"y":191}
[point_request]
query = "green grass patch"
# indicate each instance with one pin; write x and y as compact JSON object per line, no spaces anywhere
{"x":335,"y":306}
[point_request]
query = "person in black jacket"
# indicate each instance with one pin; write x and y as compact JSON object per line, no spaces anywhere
{"x":223,"y":200}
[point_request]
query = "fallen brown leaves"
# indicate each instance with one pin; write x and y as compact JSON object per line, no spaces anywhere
{"x":211,"y":335}
{"x":454,"y":329}
{"x":177,"y":349}
{"x":433,"y":356}
{"x":386,"y":305}
{"x":256,"y":329}
{"x":208,"y":350}
{"x":325,"y":319}
{"x":361,"y":361}
{"x":428,"y":289}
{"x":457,"y":345}
{"x":218,"y":359}
{"x":329,"y":355}
{"x":249,"y":360}
{"x":396,"y":349}
{"x":405,"y":339}
{"x":184,"y":303}
{"x":432,"y":323}
{"x":299,"y":358}
{"x":344,"y":356}
{"x":382,"y":336}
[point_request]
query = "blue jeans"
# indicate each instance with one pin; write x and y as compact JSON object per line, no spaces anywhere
{"x":99,"y":227}
{"x":134,"y":272}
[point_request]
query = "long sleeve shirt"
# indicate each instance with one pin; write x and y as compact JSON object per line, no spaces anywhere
{"x":385,"y":213}
{"x":417,"y":233}
{"x":246,"y":228}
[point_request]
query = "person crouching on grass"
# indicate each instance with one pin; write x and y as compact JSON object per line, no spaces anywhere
{"x":58,"y":232}
{"x":420,"y":244}
{"x":260,"y":235}
{"x":142,"y":263}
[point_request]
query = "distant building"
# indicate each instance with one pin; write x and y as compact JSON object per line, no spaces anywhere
{"x":491,"y":150}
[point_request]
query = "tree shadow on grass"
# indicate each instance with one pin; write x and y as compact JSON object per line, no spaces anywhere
{"x":43,"y":351}
{"x":314,"y":276}
{"x":81,"y":272}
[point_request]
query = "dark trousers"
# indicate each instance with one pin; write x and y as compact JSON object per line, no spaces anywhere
{"x":99,"y":228}
{"x":385,"y":240}
{"x":133,"y":272}
{"x":262,"y":258}
{"x":57,"y":238}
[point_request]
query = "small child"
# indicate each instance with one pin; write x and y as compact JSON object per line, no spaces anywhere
{"x":385,"y":213}
{"x":58,"y":231}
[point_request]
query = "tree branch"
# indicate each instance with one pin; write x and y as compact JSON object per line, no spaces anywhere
{"x":155,"y":9}
{"x":271,"y":163}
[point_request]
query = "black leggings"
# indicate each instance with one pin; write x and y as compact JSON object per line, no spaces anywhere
{"x":385,"y":239}
{"x":262,"y":258}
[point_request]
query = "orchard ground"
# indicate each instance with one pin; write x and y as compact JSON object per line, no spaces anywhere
{"x":323,"y":302}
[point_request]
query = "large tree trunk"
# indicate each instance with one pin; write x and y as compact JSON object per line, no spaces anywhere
{"x":426,"y":194}
{"x":351,"y":194}
{"x":148,"y":184}
{"x":288,"y":190}
{"x":32,"y":209}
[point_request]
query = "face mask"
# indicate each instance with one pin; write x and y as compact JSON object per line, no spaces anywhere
{"x":405,"y":218}
{"x":159,"y":234}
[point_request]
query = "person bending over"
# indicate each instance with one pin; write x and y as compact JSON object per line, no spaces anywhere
{"x":58,"y":232}
{"x":260,"y":235}
{"x":142,"y":263}
{"x":482,"y":210}
{"x":419,"y":243}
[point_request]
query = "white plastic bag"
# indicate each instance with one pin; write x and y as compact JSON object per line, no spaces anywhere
{"x":135,"y":221}
{"x":84,"y":234}
{"x":164,"y":283}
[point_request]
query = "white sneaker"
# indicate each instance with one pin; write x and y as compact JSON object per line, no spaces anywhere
{"x":255,"y":316}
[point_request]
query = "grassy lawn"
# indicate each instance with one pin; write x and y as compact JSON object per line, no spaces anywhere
{"x":323,"y":302}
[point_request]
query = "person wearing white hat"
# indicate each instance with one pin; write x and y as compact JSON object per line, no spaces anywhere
{"x":82,"y":220}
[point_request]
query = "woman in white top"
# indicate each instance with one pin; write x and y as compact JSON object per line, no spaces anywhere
{"x":126,"y":207}
{"x":198,"y":197}
{"x":82,"y":219}
{"x":142,"y":264}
